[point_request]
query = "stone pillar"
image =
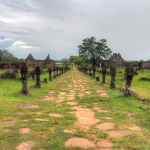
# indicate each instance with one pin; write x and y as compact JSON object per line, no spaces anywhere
{"x":94,"y":70}
{"x":103,"y":74}
{"x":50,"y":73}
{"x":62,"y":70}
{"x":54,"y":70}
{"x":90,"y":71}
{"x":24,"y":74}
{"x":129,"y":73}
{"x":113,"y":75}
{"x":57,"y":69}
{"x":33,"y":75}
{"x":38,"y":72}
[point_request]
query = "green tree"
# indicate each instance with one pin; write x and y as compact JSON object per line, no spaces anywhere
{"x":94,"y":52}
{"x":65,"y":62}
{"x":78,"y":61}
{"x":5,"y":56}
{"x":72,"y":58}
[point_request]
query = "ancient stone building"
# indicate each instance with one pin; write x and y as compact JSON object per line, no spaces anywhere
{"x":146,"y":65}
{"x":49,"y":61}
{"x":117,"y":59}
{"x":10,"y":65}
{"x":32,"y":62}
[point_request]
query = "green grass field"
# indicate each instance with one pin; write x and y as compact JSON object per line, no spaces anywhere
{"x":141,"y":88}
{"x":49,"y":134}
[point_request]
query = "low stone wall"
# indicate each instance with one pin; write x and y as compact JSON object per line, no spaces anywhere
{"x":146,"y":65}
{"x":8,"y":65}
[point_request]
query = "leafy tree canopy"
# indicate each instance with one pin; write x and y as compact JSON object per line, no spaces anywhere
{"x":78,"y":61}
{"x":65,"y":62}
{"x":5,"y":56}
{"x":93,"y":52}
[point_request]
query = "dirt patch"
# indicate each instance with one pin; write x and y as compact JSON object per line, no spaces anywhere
{"x":120,"y":133}
{"x":80,"y":95}
{"x":69,"y":131}
{"x":79,"y":142}
{"x":70,"y":98}
{"x":108,"y":118}
{"x":26,"y":120}
{"x":135,"y":127}
{"x":6,"y":130}
{"x":95,"y":103}
{"x":28,"y":105}
{"x":19,"y":113}
{"x":136,"y":118}
{"x":97,"y":108}
{"x":103,"y":149}
{"x":104,"y":143}
{"x":55,"y":115}
{"x":41,"y":119}
{"x":62,"y":93}
{"x":103,"y":111}
{"x":24,"y":130}
{"x":105,"y":126}
{"x":38,"y":113}
{"x":130,"y":114}
{"x":101,"y":91}
{"x":7,"y":122}
{"x":47,"y":99}
{"x":104,"y":94}
{"x":26,"y":145}
{"x":61,"y":98}
{"x":85,"y":117}
{"x":72,"y":103}
{"x":87,"y":92}
{"x":59,"y":101}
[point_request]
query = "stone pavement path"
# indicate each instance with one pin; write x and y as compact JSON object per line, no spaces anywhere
{"x":69,"y":90}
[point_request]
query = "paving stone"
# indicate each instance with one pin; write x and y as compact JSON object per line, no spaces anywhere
{"x":28,"y":105}
{"x":24,"y":130}
{"x":79,"y":142}
{"x":105,"y":126}
{"x":26,"y":145}
{"x":120,"y":133}
{"x":55,"y":115}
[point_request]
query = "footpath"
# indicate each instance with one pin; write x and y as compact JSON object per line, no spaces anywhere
{"x":74,"y":116}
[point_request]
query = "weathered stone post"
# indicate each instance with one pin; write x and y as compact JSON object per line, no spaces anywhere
{"x":57,"y":69}
{"x":38,"y":72}
{"x":129,"y":73}
{"x":90,"y":72}
{"x":113,"y":75}
{"x":140,"y":65}
{"x":24,"y":74}
{"x":94,"y":70}
{"x":103,"y":74}
{"x":62,"y":70}
{"x":33,"y":75}
{"x":54,"y":70}
{"x":50,"y":73}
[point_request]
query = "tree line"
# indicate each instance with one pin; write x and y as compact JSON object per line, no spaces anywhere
{"x":6,"y":56}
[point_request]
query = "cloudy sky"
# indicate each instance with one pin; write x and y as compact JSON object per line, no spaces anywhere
{"x":57,"y":27}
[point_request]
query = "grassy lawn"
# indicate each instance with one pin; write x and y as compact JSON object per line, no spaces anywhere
{"x":141,"y":88}
{"x":49,"y":134}
{"x":46,"y":133}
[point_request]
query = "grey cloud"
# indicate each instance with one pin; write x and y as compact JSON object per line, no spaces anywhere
{"x":59,"y":26}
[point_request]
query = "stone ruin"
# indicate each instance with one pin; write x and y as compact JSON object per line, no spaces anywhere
{"x":117,"y":59}
{"x":145,"y":65}
{"x":10,"y":65}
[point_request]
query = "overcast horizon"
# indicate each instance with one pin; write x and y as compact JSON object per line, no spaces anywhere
{"x":57,"y":27}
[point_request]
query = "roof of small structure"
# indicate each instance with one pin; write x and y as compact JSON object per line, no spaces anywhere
{"x":30,"y":57}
